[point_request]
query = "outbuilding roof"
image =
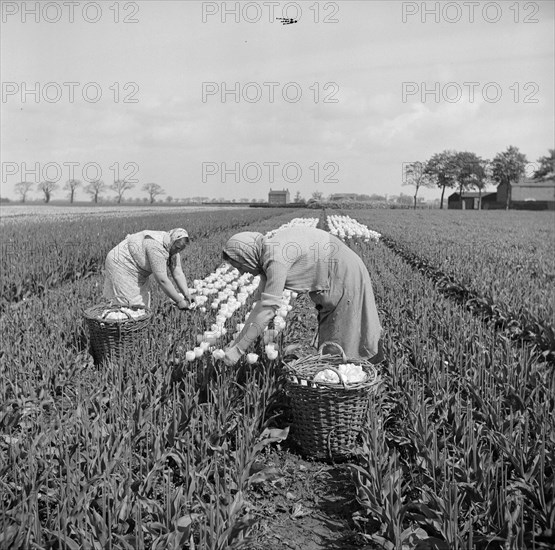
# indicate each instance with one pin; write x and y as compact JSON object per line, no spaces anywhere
{"x":473,"y":194}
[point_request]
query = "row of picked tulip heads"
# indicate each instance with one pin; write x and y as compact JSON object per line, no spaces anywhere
{"x":346,"y":227}
{"x":295,"y":222}
{"x":225,"y":282}
{"x":230,"y":291}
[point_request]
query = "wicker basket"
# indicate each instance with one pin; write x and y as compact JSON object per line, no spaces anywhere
{"x":114,"y":338}
{"x":327,"y":417}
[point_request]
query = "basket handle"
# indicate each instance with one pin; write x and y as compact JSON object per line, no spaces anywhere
{"x":111,"y":309}
{"x":341,"y":376}
{"x":321,"y":348}
{"x":115,"y":305}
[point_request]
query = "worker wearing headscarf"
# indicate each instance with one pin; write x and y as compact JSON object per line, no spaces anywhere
{"x":128,"y":267}
{"x":314,"y":261}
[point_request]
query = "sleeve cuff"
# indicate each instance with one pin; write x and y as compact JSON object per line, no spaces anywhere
{"x":269,"y":300}
{"x":234,"y":353}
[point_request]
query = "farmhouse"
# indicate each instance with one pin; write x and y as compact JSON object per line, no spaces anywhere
{"x":471,"y":200}
{"x":278,"y":197}
{"x":527,"y":194}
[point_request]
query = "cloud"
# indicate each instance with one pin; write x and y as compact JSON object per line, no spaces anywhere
{"x":361,"y":61}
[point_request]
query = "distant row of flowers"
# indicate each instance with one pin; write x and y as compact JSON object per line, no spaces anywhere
{"x":345,"y":227}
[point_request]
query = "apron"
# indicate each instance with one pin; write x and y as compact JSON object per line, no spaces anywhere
{"x":125,"y":282}
{"x":347,"y":313}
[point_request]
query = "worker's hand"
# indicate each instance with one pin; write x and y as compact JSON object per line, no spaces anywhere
{"x":183,"y":304}
{"x":232,"y":355}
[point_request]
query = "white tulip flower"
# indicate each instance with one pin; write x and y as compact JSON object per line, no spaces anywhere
{"x":218,"y":354}
{"x":252,"y":358}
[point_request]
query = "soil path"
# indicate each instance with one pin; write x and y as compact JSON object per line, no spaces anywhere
{"x":307,"y":506}
{"x":303,"y":504}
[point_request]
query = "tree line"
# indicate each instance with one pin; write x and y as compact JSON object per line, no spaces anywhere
{"x":460,"y":170}
{"x":94,"y":189}
{"x":463,"y":171}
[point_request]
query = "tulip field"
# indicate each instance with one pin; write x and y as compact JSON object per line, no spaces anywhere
{"x":169,"y":448}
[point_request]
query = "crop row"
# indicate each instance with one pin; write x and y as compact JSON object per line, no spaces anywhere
{"x":504,"y":257}
{"x":521,"y":327}
{"x":461,"y":439}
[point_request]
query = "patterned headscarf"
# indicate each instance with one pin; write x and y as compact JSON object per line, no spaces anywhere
{"x":175,"y":235}
{"x":246,"y":249}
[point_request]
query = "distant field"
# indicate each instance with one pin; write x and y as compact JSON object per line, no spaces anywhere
{"x":13,"y":212}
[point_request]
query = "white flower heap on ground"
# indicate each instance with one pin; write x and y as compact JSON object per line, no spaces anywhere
{"x":230,"y":292}
{"x":345,"y":227}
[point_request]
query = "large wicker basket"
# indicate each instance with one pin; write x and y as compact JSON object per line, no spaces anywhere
{"x":114,"y":338}
{"x":327,"y":417}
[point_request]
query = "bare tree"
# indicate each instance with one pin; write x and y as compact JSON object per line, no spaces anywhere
{"x":442,"y":168}
{"x":120,"y":187}
{"x":481,"y":178}
{"x":48,"y":187}
{"x":415,"y":174}
{"x":71,"y":186}
{"x":153,"y":190}
{"x":94,"y":188}
{"x":22,"y":188}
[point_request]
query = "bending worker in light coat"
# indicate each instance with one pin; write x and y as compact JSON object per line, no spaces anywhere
{"x":313,"y":261}
{"x":128,"y":267}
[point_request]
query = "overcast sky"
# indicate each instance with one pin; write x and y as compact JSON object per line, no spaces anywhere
{"x":338,"y":100}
